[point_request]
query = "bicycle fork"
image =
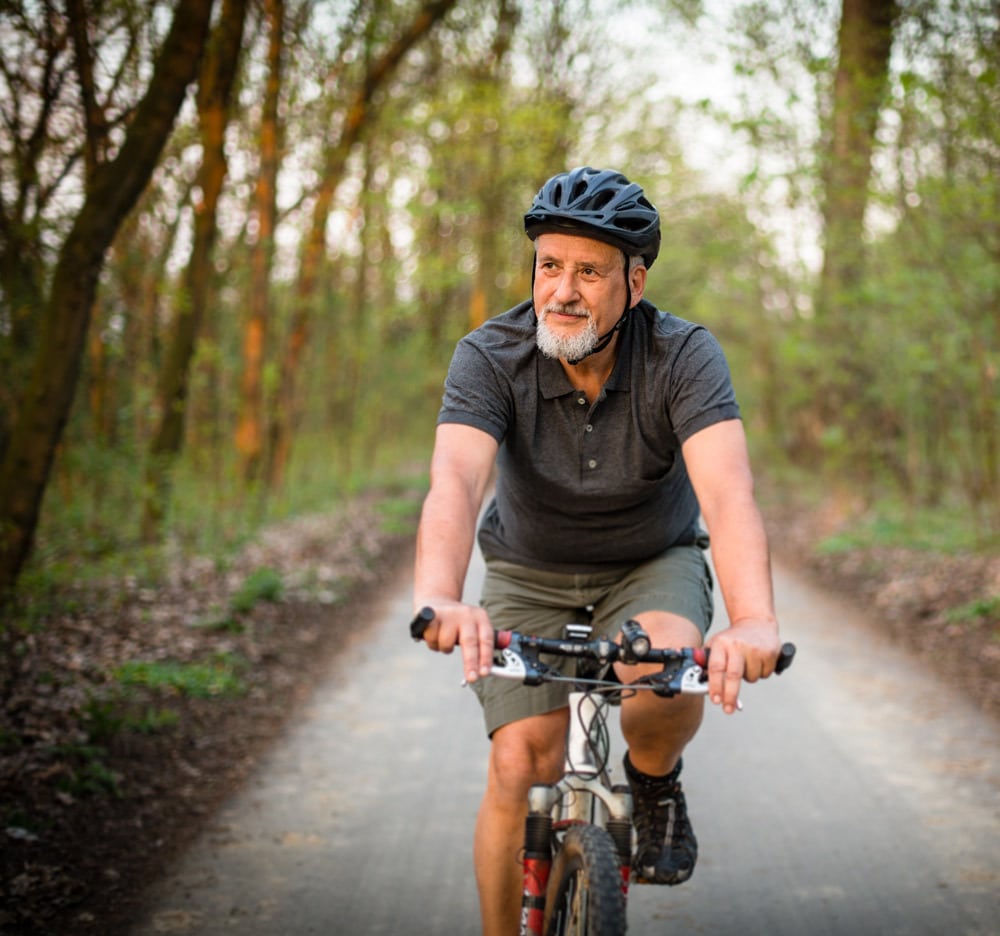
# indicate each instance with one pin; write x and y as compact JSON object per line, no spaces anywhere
{"x":537,"y":858}
{"x":538,"y":838}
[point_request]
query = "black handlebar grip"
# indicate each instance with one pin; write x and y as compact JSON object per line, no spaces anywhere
{"x":421,"y":621}
{"x":785,"y":657}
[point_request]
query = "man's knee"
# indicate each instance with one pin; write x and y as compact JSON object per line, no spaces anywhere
{"x":670,"y":630}
{"x":526,"y":752}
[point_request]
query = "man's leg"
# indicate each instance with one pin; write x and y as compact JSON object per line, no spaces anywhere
{"x":657,"y":731}
{"x":522,"y":753}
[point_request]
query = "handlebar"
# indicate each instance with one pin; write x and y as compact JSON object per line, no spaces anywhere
{"x":684,"y":670}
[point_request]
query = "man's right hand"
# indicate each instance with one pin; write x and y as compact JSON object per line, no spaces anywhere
{"x":465,"y":626}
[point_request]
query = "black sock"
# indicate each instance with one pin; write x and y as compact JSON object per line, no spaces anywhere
{"x":637,"y":776}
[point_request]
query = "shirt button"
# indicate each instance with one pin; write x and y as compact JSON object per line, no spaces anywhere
{"x":582,"y":401}
{"x":590,"y":428}
{"x":592,"y":463}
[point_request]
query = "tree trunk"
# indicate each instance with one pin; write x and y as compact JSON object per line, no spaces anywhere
{"x":112,"y":190}
{"x":285,"y":416}
{"x":249,"y":430}
{"x":865,"y":42}
{"x":214,"y":93}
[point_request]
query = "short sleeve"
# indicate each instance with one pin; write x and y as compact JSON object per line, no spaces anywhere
{"x":475,"y":393}
{"x":701,"y":389}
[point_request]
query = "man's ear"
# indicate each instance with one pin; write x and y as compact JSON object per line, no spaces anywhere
{"x":637,"y":283}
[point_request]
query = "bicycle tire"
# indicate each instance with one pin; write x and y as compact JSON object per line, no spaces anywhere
{"x":585,"y":896}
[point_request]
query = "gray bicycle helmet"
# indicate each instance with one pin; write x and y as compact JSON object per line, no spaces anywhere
{"x":598,"y":203}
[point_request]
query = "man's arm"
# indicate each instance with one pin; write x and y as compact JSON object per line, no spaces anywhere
{"x":719,"y":467}
{"x":460,"y":471}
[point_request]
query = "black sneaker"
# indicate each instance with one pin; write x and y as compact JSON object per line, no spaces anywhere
{"x":667,"y":849}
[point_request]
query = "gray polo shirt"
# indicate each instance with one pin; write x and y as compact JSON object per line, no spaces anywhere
{"x":583,"y":487}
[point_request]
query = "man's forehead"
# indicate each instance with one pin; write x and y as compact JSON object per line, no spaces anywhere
{"x":576,"y":249}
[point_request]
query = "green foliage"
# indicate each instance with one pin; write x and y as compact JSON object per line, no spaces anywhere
{"x":37,"y":599}
{"x":105,"y":719}
{"x":153,"y":721}
{"x":897,"y":523}
{"x":262,"y":584}
{"x":223,"y":622}
{"x":87,"y":773}
{"x":975,"y":613}
{"x":895,"y":393}
{"x":399,"y":514}
{"x":202,"y":680}
{"x":889,"y":521}
{"x":426,"y":237}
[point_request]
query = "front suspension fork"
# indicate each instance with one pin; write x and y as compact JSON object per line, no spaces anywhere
{"x":537,"y":860}
{"x":537,"y":866}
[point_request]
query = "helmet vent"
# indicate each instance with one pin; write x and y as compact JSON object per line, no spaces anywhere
{"x":601,"y":199}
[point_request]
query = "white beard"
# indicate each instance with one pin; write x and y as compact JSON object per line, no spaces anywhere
{"x":571,"y":347}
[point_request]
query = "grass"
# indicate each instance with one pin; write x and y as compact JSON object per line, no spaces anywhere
{"x":87,"y":774}
{"x":889,"y":524}
{"x":262,"y":584}
{"x":399,"y":515}
{"x":88,"y":539}
{"x":106,"y":718}
{"x":878,"y":517}
{"x":975,"y":613}
{"x":89,"y":528}
{"x":218,"y":677}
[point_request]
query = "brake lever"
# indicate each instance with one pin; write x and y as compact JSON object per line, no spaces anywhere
{"x":521,"y":664}
{"x":694,"y":680}
{"x":689,"y":679}
{"x":512,"y":667}
{"x":517,"y":662}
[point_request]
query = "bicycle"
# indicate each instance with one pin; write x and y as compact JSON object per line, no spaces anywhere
{"x":578,"y":840}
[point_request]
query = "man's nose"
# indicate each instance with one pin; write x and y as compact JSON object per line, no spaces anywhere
{"x":566,"y":290}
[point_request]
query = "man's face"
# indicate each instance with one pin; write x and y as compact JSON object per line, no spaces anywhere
{"x":579,"y":292}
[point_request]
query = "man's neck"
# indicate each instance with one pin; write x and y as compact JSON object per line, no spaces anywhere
{"x":592,"y":372}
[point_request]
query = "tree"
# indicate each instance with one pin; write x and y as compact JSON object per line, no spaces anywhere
{"x":213,"y":99}
{"x":358,"y":113}
{"x":249,"y":430}
{"x":114,"y":177}
{"x":859,"y":91}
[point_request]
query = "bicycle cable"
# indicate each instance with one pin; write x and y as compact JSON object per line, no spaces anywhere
{"x":598,"y":734}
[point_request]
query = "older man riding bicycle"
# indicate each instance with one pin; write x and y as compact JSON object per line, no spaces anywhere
{"x":613,"y":427}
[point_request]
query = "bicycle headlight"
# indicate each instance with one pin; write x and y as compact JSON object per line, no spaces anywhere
{"x":635,"y":642}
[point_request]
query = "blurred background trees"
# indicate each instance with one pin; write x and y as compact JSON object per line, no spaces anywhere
{"x":223,"y":307}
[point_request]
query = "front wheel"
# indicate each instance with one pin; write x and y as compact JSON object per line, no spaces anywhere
{"x":585,"y":895}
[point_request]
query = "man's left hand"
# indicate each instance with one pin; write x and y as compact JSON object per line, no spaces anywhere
{"x":747,"y":650}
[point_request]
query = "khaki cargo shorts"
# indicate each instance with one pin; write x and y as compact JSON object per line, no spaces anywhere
{"x":542,"y":603}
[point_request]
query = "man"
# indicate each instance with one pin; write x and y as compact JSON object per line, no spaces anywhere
{"x":612,"y":425}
